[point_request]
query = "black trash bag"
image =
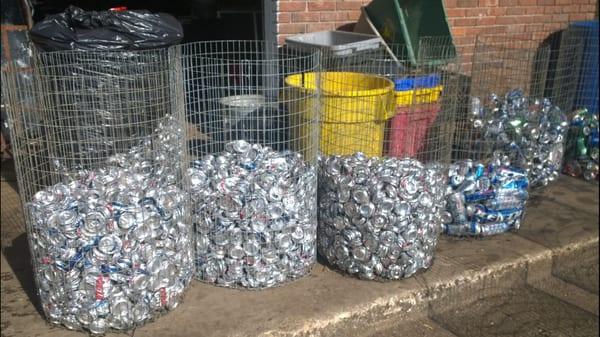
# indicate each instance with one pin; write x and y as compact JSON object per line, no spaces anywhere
{"x":76,"y":29}
{"x":108,"y":80}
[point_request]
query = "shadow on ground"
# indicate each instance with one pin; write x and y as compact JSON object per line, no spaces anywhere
{"x":18,"y":257}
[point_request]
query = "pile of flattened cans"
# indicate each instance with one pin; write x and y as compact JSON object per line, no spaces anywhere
{"x":112,"y":247}
{"x":116,"y":246}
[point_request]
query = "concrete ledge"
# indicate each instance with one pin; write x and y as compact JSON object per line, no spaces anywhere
{"x":563,"y":219}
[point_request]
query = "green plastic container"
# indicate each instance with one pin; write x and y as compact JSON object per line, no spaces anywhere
{"x":407,"y":22}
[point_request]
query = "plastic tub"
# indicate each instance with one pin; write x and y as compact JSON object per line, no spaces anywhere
{"x":416,"y":109}
{"x":352,"y":120}
{"x":336,"y":43}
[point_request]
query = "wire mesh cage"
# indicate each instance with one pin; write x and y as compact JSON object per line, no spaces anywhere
{"x":511,"y":129}
{"x":252,"y":177}
{"x":386,"y":131}
{"x":521,"y":90}
{"x":100,"y":178}
{"x":582,"y":152}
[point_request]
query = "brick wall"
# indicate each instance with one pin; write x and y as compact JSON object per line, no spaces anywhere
{"x":467,"y":18}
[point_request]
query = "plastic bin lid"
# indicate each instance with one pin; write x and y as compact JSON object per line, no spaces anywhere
{"x":409,"y":83}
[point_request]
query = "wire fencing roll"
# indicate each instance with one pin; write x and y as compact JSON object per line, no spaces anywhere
{"x":521,"y":90}
{"x":100,"y":177}
{"x":511,"y":129}
{"x":252,"y":178}
{"x":386,"y":130}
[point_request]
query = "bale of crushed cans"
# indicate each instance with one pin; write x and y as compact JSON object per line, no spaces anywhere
{"x":531,"y":132}
{"x":254,"y":211}
{"x":484,"y":200}
{"x":112,"y":246}
{"x":582,"y":152}
{"x":379,"y":218}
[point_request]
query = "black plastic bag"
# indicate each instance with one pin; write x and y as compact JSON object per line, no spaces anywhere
{"x":76,"y":29}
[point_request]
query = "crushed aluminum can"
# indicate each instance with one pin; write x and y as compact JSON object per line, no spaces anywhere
{"x":529,"y":133}
{"x":254,"y":210}
{"x":389,"y":226}
{"x":582,"y":151}
{"x":95,"y":234}
{"x":491,"y":208}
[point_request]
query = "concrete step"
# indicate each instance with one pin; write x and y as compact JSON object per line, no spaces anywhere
{"x":549,"y":262}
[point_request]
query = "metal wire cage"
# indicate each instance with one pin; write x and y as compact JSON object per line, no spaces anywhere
{"x":386,"y":133}
{"x":582,"y":146}
{"x":98,"y":146}
{"x":252,"y":179}
{"x":521,"y":89}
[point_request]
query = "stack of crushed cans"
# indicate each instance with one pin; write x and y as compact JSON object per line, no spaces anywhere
{"x":255,"y":215}
{"x":112,"y":246}
{"x":484,"y":200}
{"x":581,"y":158}
{"x":530,"y":131}
{"x":379,"y":218}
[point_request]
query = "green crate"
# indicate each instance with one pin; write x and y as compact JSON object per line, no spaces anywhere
{"x":407,"y":22}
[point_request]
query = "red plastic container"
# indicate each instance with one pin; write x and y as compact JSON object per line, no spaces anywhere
{"x":417,"y":106}
{"x":408,"y":129}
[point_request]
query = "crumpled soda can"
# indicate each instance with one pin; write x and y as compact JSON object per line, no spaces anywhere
{"x":581,"y":158}
{"x":529,"y":132}
{"x":484,"y":200}
{"x":254,"y":211}
{"x":379,"y":218}
{"x":112,"y":246}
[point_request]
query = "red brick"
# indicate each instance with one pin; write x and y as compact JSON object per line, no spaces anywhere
{"x":488,"y":3}
{"x":540,"y":18}
{"x":527,"y":2}
{"x":352,"y":15}
{"x":514,"y":11}
{"x":513,"y":29}
{"x":466,"y":3}
{"x":328,"y":16}
{"x":578,"y":17}
{"x":458,"y":22}
{"x":525,"y":19}
{"x":476,"y":12}
{"x":459,"y":31}
{"x":560,"y":18}
{"x":487,"y":21}
{"x":570,"y":9}
{"x":545,"y":2}
{"x":321,"y":6}
{"x":505,"y":3}
{"x":498,"y":11}
{"x":506,"y":20}
{"x":283,"y":17}
{"x":344,"y":5}
{"x":588,"y":8}
{"x":281,"y":39}
{"x":450,"y":3}
{"x":292,"y":6}
{"x":563,"y":2}
{"x":455,"y":12}
{"x":492,"y":30}
{"x":552,"y":9}
{"x":305,"y":17}
{"x":292,"y":28}
{"x":534,"y":10}
{"x":320,"y":26}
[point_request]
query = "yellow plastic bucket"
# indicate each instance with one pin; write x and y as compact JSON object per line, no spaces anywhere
{"x":354,"y":109}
